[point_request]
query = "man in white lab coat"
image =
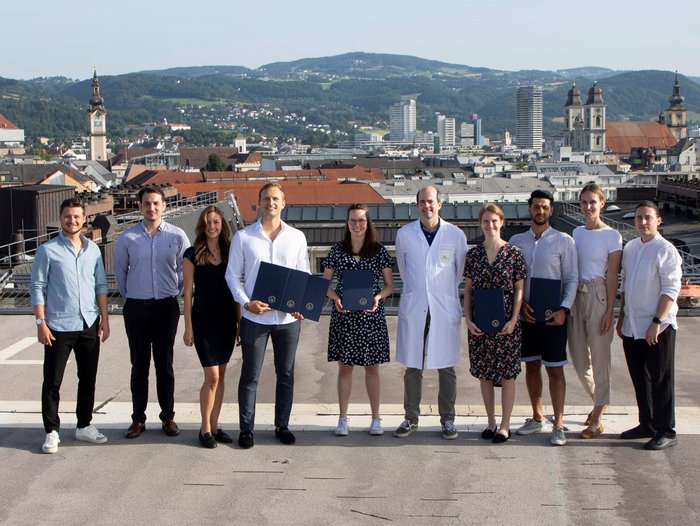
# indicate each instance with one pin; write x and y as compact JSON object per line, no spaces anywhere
{"x":430,"y":254}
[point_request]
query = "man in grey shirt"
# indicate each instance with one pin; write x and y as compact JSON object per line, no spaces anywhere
{"x":148,"y":270}
{"x":549,"y":254}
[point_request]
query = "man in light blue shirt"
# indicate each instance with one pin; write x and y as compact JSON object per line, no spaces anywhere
{"x":148,"y":270}
{"x":69,"y":295}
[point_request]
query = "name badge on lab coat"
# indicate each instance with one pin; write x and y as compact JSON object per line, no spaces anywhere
{"x":446,"y":256}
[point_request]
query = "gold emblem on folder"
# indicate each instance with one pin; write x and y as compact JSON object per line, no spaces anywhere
{"x":309,"y":306}
{"x":495,"y":323}
{"x":272,"y":298}
{"x":363,"y":301}
{"x":548,"y":313}
{"x":290,"y":304}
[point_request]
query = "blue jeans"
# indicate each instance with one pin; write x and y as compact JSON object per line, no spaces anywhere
{"x":254,"y":337}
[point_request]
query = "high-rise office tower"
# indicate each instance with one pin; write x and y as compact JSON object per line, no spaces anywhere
{"x":402,"y":120}
{"x":528,"y":123}
{"x":476,"y":121}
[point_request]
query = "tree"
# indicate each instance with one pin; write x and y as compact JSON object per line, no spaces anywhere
{"x":215,"y":164}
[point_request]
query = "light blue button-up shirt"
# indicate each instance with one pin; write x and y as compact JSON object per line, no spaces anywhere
{"x":67,"y":282}
{"x":150,"y":267}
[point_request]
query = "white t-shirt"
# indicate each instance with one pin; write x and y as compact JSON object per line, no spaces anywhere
{"x":593,"y":248}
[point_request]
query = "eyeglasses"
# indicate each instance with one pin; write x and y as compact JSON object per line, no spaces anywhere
{"x":357,"y":221}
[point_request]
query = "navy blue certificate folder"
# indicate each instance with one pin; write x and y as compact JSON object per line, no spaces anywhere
{"x":314,"y":297}
{"x":545,"y":297}
{"x":270,"y":284}
{"x":294,"y":291}
{"x":358,"y":289}
{"x":280,"y":287}
{"x":489,"y":309}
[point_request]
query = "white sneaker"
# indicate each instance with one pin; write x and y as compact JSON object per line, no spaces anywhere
{"x":558,"y":437}
{"x":375,"y":428}
{"x":531,"y":426}
{"x":90,"y":434}
{"x":343,"y":428}
{"x":51,"y":442}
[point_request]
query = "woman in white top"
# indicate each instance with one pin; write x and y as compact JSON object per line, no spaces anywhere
{"x":599,"y":250}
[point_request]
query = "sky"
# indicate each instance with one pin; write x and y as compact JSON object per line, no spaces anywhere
{"x":67,"y":37}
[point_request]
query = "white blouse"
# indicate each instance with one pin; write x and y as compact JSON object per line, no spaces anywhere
{"x":649,"y":270}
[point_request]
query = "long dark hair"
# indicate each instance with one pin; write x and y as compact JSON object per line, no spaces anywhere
{"x":201,"y":251}
{"x":370,"y":247}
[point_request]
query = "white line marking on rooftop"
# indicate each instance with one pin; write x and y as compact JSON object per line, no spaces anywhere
{"x":17,"y":347}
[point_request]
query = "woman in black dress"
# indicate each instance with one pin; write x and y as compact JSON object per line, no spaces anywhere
{"x":211,"y":323}
{"x":495,"y":357}
{"x":359,"y":337}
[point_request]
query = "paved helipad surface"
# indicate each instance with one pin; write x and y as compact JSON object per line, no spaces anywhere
{"x":324,"y":479}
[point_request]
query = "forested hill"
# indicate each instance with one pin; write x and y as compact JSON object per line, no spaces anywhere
{"x":341,"y":91}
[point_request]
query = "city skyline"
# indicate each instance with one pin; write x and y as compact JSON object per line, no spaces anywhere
{"x":140,"y":36}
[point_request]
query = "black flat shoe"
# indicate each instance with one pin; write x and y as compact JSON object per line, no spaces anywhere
{"x":660,"y":442}
{"x":284,"y":435}
{"x":207,"y":440}
{"x":641,"y":431}
{"x":488,"y":434}
{"x":222,"y":436}
{"x":499,"y":438}
{"x":246,"y":440}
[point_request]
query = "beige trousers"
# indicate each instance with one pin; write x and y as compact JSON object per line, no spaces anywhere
{"x":589,"y":350}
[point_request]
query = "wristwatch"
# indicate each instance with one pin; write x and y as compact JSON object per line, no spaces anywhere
{"x":656,"y":320}
{"x":39,"y":321}
{"x":566,"y":310}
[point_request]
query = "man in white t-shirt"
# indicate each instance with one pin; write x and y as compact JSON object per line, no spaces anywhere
{"x":651,"y":281}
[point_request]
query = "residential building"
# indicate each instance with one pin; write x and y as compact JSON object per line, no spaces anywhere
{"x":11,"y":138}
{"x":466,"y":134}
{"x":446,"y":130}
{"x":402,"y":120}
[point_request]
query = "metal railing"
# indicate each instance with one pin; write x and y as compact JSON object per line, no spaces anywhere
{"x":21,"y":252}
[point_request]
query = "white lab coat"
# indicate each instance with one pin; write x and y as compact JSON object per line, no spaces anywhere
{"x":431,"y":276}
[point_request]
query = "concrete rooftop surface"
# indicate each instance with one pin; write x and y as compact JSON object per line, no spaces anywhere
{"x":324,"y":479}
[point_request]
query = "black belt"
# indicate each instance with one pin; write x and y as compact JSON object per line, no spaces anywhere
{"x":151,"y":301}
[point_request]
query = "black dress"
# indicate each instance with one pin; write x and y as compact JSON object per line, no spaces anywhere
{"x":214,"y":320}
{"x":496,"y":357}
{"x":358,"y":337}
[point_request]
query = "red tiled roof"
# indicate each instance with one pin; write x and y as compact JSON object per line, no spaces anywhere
{"x":621,"y":137}
{"x":6,"y":124}
{"x":296,"y":192}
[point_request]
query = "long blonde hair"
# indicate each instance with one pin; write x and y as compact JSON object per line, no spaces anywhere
{"x":201,"y":251}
